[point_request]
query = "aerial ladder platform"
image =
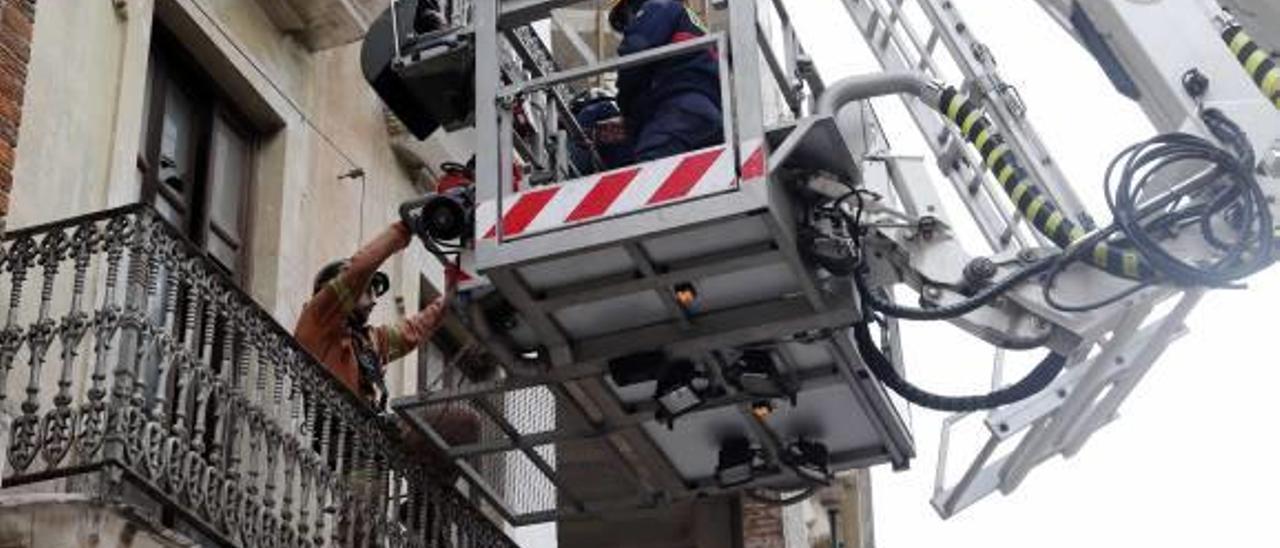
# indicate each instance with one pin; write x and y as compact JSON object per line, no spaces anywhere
{"x":724,"y":320}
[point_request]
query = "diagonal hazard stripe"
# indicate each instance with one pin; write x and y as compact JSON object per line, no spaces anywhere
{"x":685,"y":176}
{"x":524,"y":212}
{"x":602,"y":195}
{"x":754,"y":166}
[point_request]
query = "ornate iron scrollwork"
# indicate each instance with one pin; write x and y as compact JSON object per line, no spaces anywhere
{"x":134,"y":349}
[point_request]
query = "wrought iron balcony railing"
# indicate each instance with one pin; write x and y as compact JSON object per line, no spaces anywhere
{"x":134,"y":368}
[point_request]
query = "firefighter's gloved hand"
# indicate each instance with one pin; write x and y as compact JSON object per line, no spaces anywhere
{"x":428,"y":19}
{"x":611,"y":131}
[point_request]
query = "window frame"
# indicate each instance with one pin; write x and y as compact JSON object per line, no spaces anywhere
{"x":171,"y":64}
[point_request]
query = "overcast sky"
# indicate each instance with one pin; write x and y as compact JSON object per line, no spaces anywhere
{"x":1195,"y":452}
{"x":1194,"y":455}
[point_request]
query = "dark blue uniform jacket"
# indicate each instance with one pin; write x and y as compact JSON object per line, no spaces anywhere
{"x":672,"y":105}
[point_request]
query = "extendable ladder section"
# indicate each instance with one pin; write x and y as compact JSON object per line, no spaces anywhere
{"x":899,"y":45}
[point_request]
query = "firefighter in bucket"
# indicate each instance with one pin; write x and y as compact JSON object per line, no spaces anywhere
{"x":673,"y":105}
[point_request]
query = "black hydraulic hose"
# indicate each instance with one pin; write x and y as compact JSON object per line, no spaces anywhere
{"x":784,"y":501}
{"x":1035,"y":381}
{"x":950,"y":311}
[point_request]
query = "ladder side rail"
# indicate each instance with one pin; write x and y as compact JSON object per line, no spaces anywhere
{"x":798,"y":63}
{"x":973,"y":187}
{"x":966,"y":165}
{"x":923,"y":50}
{"x":791,"y":48}
{"x":979,"y":68}
{"x":924,"y":62}
{"x":490,"y":181}
{"x":529,"y":47}
{"x":785,"y":70}
{"x":1034,"y":449}
{"x":744,"y":108}
{"x":790,"y":93}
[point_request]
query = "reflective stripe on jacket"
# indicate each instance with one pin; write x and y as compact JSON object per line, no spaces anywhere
{"x":322,"y":328}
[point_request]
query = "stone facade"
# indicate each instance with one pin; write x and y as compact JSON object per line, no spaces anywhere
{"x":58,"y":521}
{"x":74,"y":76}
{"x":314,"y":116}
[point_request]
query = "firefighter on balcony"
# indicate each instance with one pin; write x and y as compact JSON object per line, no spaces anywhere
{"x":334,"y":323}
{"x":673,"y":105}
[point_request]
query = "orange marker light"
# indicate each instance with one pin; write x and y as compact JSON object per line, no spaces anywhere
{"x":762,"y":410}
{"x":686,"y":295}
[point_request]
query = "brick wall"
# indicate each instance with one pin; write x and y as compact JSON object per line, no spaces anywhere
{"x":16,"y":20}
{"x":761,"y":525}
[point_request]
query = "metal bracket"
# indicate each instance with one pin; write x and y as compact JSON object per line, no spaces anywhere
{"x":1064,"y":416}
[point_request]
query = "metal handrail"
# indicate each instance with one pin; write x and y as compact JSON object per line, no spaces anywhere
{"x":611,"y":65}
{"x":143,"y":363}
{"x":552,"y":80}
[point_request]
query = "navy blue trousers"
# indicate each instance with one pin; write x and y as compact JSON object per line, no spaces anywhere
{"x":681,"y":123}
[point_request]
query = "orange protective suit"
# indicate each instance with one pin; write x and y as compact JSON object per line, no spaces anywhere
{"x":323,"y":329}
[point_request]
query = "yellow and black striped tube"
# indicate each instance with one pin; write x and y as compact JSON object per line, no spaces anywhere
{"x":1034,"y":204}
{"x":1257,"y":62}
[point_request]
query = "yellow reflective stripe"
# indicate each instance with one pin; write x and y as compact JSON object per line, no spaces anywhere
{"x":1239,"y":42}
{"x":1052,"y":225}
{"x":1018,"y":191}
{"x":1035,"y":207}
{"x":346,"y":299}
{"x":968,"y":122}
{"x":395,"y":342}
{"x":1255,"y":60}
{"x":697,"y":21}
{"x":996,"y":154}
{"x":1100,"y":253}
{"x":1006,"y":174}
{"x":1130,"y":264}
{"x":982,"y":139}
{"x":1078,"y":234}
{"x":953,"y":109}
{"x":1271,"y":83}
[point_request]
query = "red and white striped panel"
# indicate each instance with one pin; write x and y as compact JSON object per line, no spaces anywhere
{"x":653,"y":184}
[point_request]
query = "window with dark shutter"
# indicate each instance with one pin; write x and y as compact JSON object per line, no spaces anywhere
{"x":197,"y":156}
